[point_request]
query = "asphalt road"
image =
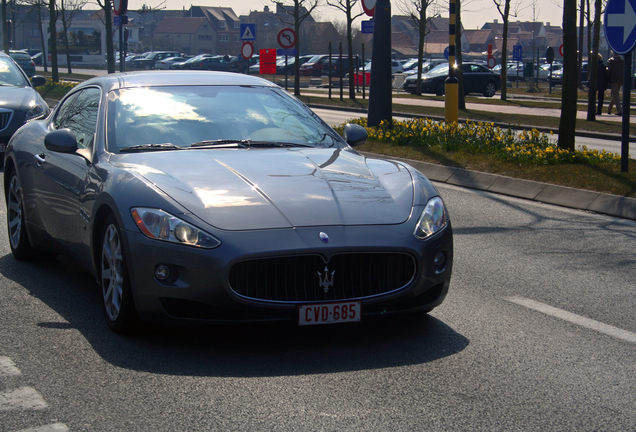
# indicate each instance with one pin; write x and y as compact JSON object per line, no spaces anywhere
{"x":538,"y":333}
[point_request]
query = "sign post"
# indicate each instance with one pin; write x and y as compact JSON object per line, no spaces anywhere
{"x":120,"y":8}
{"x":620,"y":31}
{"x":286,"y":39}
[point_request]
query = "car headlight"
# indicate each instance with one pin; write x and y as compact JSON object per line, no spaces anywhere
{"x":159,"y":225}
{"x":434,"y":218}
{"x":37,"y":110}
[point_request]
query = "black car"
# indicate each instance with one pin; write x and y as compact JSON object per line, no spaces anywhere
{"x":19,"y":102}
{"x":186,"y":65}
{"x":217,"y":63}
{"x":148,"y":62}
{"x":477,"y":79}
{"x":240,"y":64}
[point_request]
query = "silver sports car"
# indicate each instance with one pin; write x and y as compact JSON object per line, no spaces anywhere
{"x":210,"y":196}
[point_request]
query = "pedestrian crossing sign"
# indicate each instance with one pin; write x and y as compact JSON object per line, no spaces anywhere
{"x":248,"y":32}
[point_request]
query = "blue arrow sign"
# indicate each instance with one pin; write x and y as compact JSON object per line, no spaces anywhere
{"x":620,"y":25}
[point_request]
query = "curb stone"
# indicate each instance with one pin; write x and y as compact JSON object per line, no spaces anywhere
{"x":607,"y":204}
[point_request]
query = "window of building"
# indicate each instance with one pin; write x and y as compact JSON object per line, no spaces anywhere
{"x":224,"y":37}
{"x":237,"y":24}
{"x":236,"y":38}
{"x":221,"y":24}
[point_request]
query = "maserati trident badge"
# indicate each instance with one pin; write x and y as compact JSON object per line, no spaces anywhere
{"x":324,"y":237}
{"x":326,"y":282}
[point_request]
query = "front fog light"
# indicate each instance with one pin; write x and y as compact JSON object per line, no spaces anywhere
{"x":162,"y":272}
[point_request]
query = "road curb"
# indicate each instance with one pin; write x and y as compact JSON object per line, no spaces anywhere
{"x":608,"y":204}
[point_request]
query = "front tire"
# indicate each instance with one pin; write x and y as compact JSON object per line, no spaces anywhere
{"x":16,"y":226}
{"x":490,"y":89}
{"x":119,"y":307}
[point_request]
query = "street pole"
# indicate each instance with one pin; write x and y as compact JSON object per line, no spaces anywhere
{"x":627,"y":87}
{"x":380,"y":91}
{"x":451,"y":90}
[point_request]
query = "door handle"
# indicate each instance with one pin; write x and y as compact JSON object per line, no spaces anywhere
{"x":40,"y":159}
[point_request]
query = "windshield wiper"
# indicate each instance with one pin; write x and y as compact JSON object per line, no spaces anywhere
{"x":245,"y":143}
{"x":150,"y":147}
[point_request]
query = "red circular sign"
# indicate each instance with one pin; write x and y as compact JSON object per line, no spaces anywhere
{"x":120,"y":6}
{"x":369,"y":7}
{"x":247,"y":50}
{"x":492,"y":62}
{"x":286,"y":38}
{"x":561,"y":50}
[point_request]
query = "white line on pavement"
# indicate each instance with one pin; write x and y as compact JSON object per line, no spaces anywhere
{"x":575,"y":319}
{"x":55,"y":427}
{"x":7,"y":367}
{"x":22,"y":398}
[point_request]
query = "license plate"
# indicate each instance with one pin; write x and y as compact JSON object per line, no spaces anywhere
{"x":328,"y":313}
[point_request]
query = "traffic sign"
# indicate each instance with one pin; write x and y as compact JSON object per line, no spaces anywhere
{"x":286,"y":51}
{"x":286,"y":38}
{"x":620,"y":25}
{"x":367,"y":26}
{"x":492,"y":62}
{"x":369,"y":7}
{"x":247,"y":50}
{"x":561,"y":50}
{"x":248,"y":32}
{"x":447,"y":53}
{"x":517,"y":52}
{"x":267,"y":61}
{"x":120,"y":6}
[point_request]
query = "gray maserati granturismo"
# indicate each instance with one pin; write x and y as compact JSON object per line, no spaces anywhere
{"x":197,"y":196}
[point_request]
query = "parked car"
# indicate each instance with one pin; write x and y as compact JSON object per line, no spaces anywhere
{"x":189,"y":62}
{"x":216,"y":63}
{"x":219,"y":197}
{"x":37,"y":58}
{"x":23,"y":59}
{"x":335,"y":65}
{"x":427,"y":65}
{"x":149,"y":60}
{"x":240,"y":64}
{"x":396,"y":67}
{"x":291,"y":64}
{"x":166,"y":63}
{"x":20,"y":103}
{"x":314,"y":66}
{"x":477,"y":79}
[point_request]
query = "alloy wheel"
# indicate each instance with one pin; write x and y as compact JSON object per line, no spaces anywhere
{"x":112,"y":272}
{"x":14,"y":212}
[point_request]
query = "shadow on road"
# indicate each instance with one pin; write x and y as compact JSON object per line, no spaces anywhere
{"x":230,"y":350}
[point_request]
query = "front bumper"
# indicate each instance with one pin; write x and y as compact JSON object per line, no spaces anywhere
{"x":201,"y":291}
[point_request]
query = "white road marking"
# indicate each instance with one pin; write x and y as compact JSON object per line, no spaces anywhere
{"x":7,"y":367}
{"x":575,"y":319}
{"x":22,"y":398}
{"x":55,"y":427}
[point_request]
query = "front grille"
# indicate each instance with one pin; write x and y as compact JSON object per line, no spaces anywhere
{"x":308,"y":278}
{"x":5,"y":118}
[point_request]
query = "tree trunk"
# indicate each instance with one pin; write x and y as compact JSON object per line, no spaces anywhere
{"x":53,"y":41}
{"x":567,"y":123}
{"x":504,"y":53}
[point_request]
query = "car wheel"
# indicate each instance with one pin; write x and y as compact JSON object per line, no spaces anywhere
{"x":115,"y":283}
{"x":439,"y":89}
{"x":16,"y":226}
{"x":490,"y":89}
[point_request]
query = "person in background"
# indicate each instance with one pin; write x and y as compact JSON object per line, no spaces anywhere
{"x":615,"y":80}
{"x":601,"y":83}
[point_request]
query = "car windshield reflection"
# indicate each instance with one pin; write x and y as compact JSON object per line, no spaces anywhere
{"x":10,"y":75}
{"x":182,"y":115}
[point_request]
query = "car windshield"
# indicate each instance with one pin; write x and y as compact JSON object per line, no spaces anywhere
{"x":10,"y":75}
{"x":185,"y":115}
{"x":21,"y":56}
{"x":314,"y":59}
{"x":439,"y":69}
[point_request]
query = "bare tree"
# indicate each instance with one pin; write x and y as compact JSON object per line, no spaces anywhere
{"x":417,"y":10}
{"x":68,"y":9}
{"x":301,"y":10}
{"x":347,"y":6}
{"x":107,"y":7}
{"x":36,"y":14}
{"x":567,"y":123}
{"x":504,"y":7}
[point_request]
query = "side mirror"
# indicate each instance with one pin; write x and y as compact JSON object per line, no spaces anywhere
{"x":61,"y":141}
{"x":38,"y":80}
{"x":355,"y":135}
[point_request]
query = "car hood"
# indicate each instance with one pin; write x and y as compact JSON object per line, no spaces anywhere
{"x":238,"y":189}
{"x":16,"y":97}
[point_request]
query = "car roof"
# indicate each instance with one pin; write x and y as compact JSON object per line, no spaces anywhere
{"x":173,"y":78}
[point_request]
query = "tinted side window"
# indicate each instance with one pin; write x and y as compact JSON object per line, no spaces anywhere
{"x":79,"y":114}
